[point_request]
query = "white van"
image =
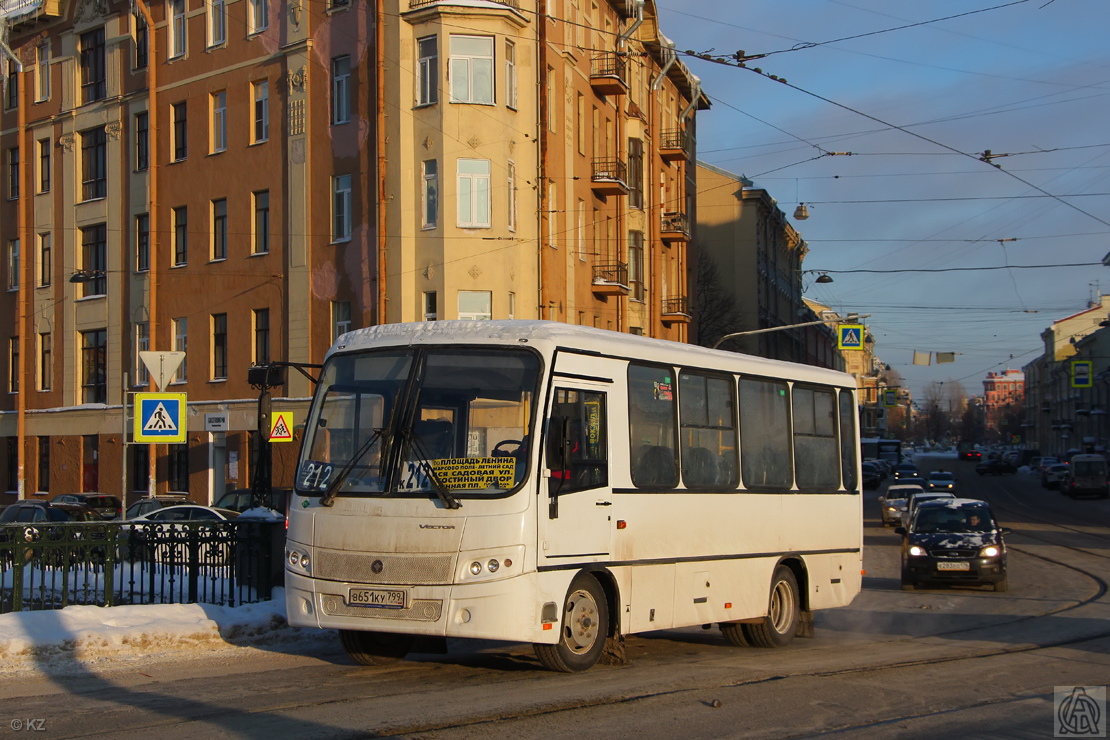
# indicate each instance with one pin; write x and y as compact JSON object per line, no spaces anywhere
{"x":1087,"y":476}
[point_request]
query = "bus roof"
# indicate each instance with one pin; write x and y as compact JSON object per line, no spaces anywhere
{"x":551,"y":335}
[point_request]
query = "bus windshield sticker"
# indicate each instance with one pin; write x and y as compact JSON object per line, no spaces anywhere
{"x":462,"y":473}
{"x":663,"y":391}
{"x":315,"y":475}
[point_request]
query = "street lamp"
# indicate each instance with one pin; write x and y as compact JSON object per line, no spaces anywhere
{"x":850,"y":318}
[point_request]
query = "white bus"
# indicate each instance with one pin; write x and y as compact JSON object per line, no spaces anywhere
{"x":565,"y":486}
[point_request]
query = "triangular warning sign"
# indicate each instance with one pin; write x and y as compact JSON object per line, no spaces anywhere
{"x":281,"y":431}
{"x":160,"y":420}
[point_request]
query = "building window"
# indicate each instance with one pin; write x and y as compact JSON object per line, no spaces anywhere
{"x":431,"y":306}
{"x":177,"y":28}
{"x":341,"y":208}
{"x":142,"y":242}
{"x":512,"y":305}
{"x":635,"y":173}
{"x":46,"y":262}
{"x":261,"y":234}
{"x":142,"y":141}
{"x":44,"y":165}
{"x":13,"y":264}
{"x":261,"y":97}
{"x":178,"y":459}
{"x":13,"y":463}
{"x":46,"y":363}
{"x":475,"y":304}
{"x":428,"y":64}
{"x":636,"y":265}
{"x":510,"y":74}
{"x":11,"y":99}
{"x":217,"y":22}
{"x":510,"y":185}
{"x":261,"y":336}
{"x":219,"y":121}
{"x":94,"y":366}
{"x":13,"y":365}
{"x":141,"y":44}
{"x":44,"y":464}
{"x":94,"y":262}
{"x":94,"y":80}
{"x":94,"y":164}
{"x":259,"y":11}
{"x":471,"y":69}
{"x":219,"y":346}
{"x":219,"y":229}
{"x":142,"y":344}
{"x":340,"y":318}
{"x":180,"y":132}
{"x":42,"y":72}
{"x":180,"y":236}
{"x":341,"y":89}
{"x":13,"y":173}
{"x":430,"y":200}
{"x":473,"y":192}
{"x":181,"y":344}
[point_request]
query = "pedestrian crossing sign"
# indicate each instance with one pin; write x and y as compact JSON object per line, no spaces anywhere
{"x":160,"y":417}
{"x":849,"y":336}
{"x":281,"y":426}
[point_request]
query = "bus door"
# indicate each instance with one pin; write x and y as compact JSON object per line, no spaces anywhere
{"x":576,"y":520}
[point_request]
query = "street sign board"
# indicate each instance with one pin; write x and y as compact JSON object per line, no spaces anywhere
{"x":215,"y":422}
{"x":1081,"y":374}
{"x":162,"y":365}
{"x":281,"y":426}
{"x":890,"y":397}
{"x":850,"y":336}
{"x":160,"y":417}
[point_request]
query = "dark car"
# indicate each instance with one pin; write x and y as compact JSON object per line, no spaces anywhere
{"x":23,"y":512}
{"x":971,"y":455}
{"x":240,"y":499}
{"x":153,"y":503}
{"x":995,"y":467}
{"x":955,"y":541}
{"x":906,"y":470}
{"x":108,"y":506}
{"x":872,"y":478}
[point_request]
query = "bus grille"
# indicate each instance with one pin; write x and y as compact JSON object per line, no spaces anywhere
{"x":394,"y":569}
{"x":421,"y":610}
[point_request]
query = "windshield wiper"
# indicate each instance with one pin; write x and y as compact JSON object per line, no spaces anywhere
{"x":328,"y":497}
{"x":413,"y":443}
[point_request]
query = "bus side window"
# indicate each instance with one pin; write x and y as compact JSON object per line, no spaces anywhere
{"x":577,"y":453}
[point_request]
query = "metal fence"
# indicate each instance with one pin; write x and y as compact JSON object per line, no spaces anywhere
{"x":54,"y":565}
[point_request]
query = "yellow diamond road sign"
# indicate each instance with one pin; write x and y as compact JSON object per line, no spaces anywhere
{"x":281,"y":426}
{"x":160,"y":417}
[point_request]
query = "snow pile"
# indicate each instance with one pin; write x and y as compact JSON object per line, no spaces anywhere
{"x":54,"y":641}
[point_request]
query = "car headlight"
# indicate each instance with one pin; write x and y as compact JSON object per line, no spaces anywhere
{"x":990,"y":551}
{"x":297,"y":560}
{"x":917,"y":551}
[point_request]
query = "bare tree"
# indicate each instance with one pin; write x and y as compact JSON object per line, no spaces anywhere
{"x":714,"y":309}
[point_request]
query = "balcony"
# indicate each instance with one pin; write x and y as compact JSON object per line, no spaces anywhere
{"x":674,"y":145}
{"x":416,"y":4}
{"x":610,"y":279}
{"x":676,"y":310}
{"x":610,"y":177}
{"x":675,"y":227}
{"x":609,"y":74}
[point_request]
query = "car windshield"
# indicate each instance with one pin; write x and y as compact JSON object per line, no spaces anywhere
{"x":417,"y":421}
{"x":1089,"y":467}
{"x":933,"y":519}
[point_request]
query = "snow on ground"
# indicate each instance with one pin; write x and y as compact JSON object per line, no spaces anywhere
{"x":57,"y":641}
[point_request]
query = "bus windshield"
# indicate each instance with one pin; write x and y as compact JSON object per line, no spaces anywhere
{"x":414,"y":421}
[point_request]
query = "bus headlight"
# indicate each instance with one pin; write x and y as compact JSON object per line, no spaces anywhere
{"x":990,"y":551}
{"x":298,"y":561}
{"x":488,"y":564}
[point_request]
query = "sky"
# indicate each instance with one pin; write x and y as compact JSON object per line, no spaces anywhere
{"x":916,"y":98}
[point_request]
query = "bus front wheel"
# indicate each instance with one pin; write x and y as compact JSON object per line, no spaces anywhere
{"x":783,"y":613}
{"x":585,"y":625}
{"x":375,"y":648}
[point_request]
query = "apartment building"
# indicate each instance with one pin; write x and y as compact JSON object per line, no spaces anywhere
{"x":244,"y":180}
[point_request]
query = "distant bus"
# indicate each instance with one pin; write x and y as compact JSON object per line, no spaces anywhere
{"x":564,"y":486}
{"x":874,"y":448}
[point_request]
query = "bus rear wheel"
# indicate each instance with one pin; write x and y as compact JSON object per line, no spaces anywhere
{"x":783,"y":613}
{"x":375,"y":648}
{"x":583,"y":630}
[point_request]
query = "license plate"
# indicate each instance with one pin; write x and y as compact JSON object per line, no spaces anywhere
{"x":953,"y":566}
{"x":378,"y":597}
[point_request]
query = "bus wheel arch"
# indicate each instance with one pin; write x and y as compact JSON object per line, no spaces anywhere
{"x":585,"y":625}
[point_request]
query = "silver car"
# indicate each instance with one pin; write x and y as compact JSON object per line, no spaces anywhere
{"x":892,"y":504}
